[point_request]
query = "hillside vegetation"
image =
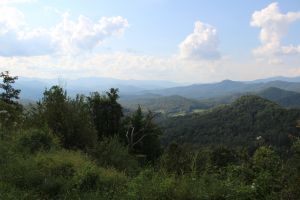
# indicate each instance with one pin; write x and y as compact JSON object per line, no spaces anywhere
{"x":85,"y":147}
{"x":239,"y":124}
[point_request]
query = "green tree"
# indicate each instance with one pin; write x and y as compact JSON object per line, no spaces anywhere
{"x":266,"y":165}
{"x":177,"y":159}
{"x":54,"y":107}
{"x":10,"y":94}
{"x":142,"y":134}
{"x":68,"y":118}
{"x":106,"y":112}
{"x":292,"y":173}
{"x":10,"y":109}
{"x":266,"y":158}
{"x":222,"y":156}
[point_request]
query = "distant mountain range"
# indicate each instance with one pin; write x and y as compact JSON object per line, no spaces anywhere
{"x":277,"y":78}
{"x":32,"y":88}
{"x":226,"y":87}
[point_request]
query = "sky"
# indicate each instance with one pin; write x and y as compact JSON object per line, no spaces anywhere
{"x":191,"y":41}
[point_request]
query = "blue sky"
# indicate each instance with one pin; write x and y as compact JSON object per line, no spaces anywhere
{"x":188,"y":41}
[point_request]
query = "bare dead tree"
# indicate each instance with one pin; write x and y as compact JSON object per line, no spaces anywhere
{"x":135,"y":136}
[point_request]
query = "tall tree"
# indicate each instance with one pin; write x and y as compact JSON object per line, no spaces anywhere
{"x":142,"y":134}
{"x":9,"y":94}
{"x":68,"y":118}
{"x":106,"y":112}
{"x":54,"y":104}
{"x":10,"y":109}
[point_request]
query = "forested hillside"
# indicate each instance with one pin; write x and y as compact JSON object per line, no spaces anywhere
{"x":85,"y":147}
{"x":246,"y":122}
{"x":283,"y":97}
{"x":177,"y":105}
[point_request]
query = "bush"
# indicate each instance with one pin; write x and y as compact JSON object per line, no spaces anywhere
{"x":61,"y":175}
{"x":9,"y":192}
{"x":152,"y":185}
{"x":34,"y":140}
{"x":111,"y":153}
{"x":265,"y":158}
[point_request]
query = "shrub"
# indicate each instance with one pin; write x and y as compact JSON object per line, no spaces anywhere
{"x":111,"y":153}
{"x":34,"y":140}
{"x":152,"y":185}
{"x":61,"y":175}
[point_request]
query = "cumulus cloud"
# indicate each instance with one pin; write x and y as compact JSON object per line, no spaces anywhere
{"x":67,"y":37}
{"x":84,"y":34}
{"x":202,"y":44}
{"x":10,"y":19}
{"x":273,"y":27}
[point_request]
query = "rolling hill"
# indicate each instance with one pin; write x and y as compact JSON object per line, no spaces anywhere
{"x":240,"y":124}
{"x":283,"y":97}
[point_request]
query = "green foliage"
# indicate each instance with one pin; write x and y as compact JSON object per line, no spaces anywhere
{"x":142,"y":135}
{"x":177,"y":159}
{"x":151,"y":185}
{"x":60,"y":174}
{"x":10,"y":109}
{"x":283,"y":97}
{"x":111,"y":153}
{"x":248,"y":122}
{"x":10,"y":116}
{"x":291,"y":176}
{"x":9,"y":95}
{"x":265,"y":158}
{"x":222,"y":156}
{"x":34,"y":140}
{"x":247,"y":150}
{"x":68,"y":118}
{"x":80,"y":131}
{"x":106,"y":112}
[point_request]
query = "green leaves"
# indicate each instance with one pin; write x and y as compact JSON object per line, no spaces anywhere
{"x":9,"y":95}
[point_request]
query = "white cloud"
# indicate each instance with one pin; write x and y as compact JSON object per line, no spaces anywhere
{"x":67,"y":37}
{"x":83,"y":34}
{"x":273,"y":27}
{"x":202,"y":44}
{"x":10,"y":19}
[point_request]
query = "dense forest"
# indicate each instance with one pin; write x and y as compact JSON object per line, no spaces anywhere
{"x":237,"y":124}
{"x":88,"y":147}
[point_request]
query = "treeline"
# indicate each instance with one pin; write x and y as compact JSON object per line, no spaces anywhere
{"x":87,"y":148}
